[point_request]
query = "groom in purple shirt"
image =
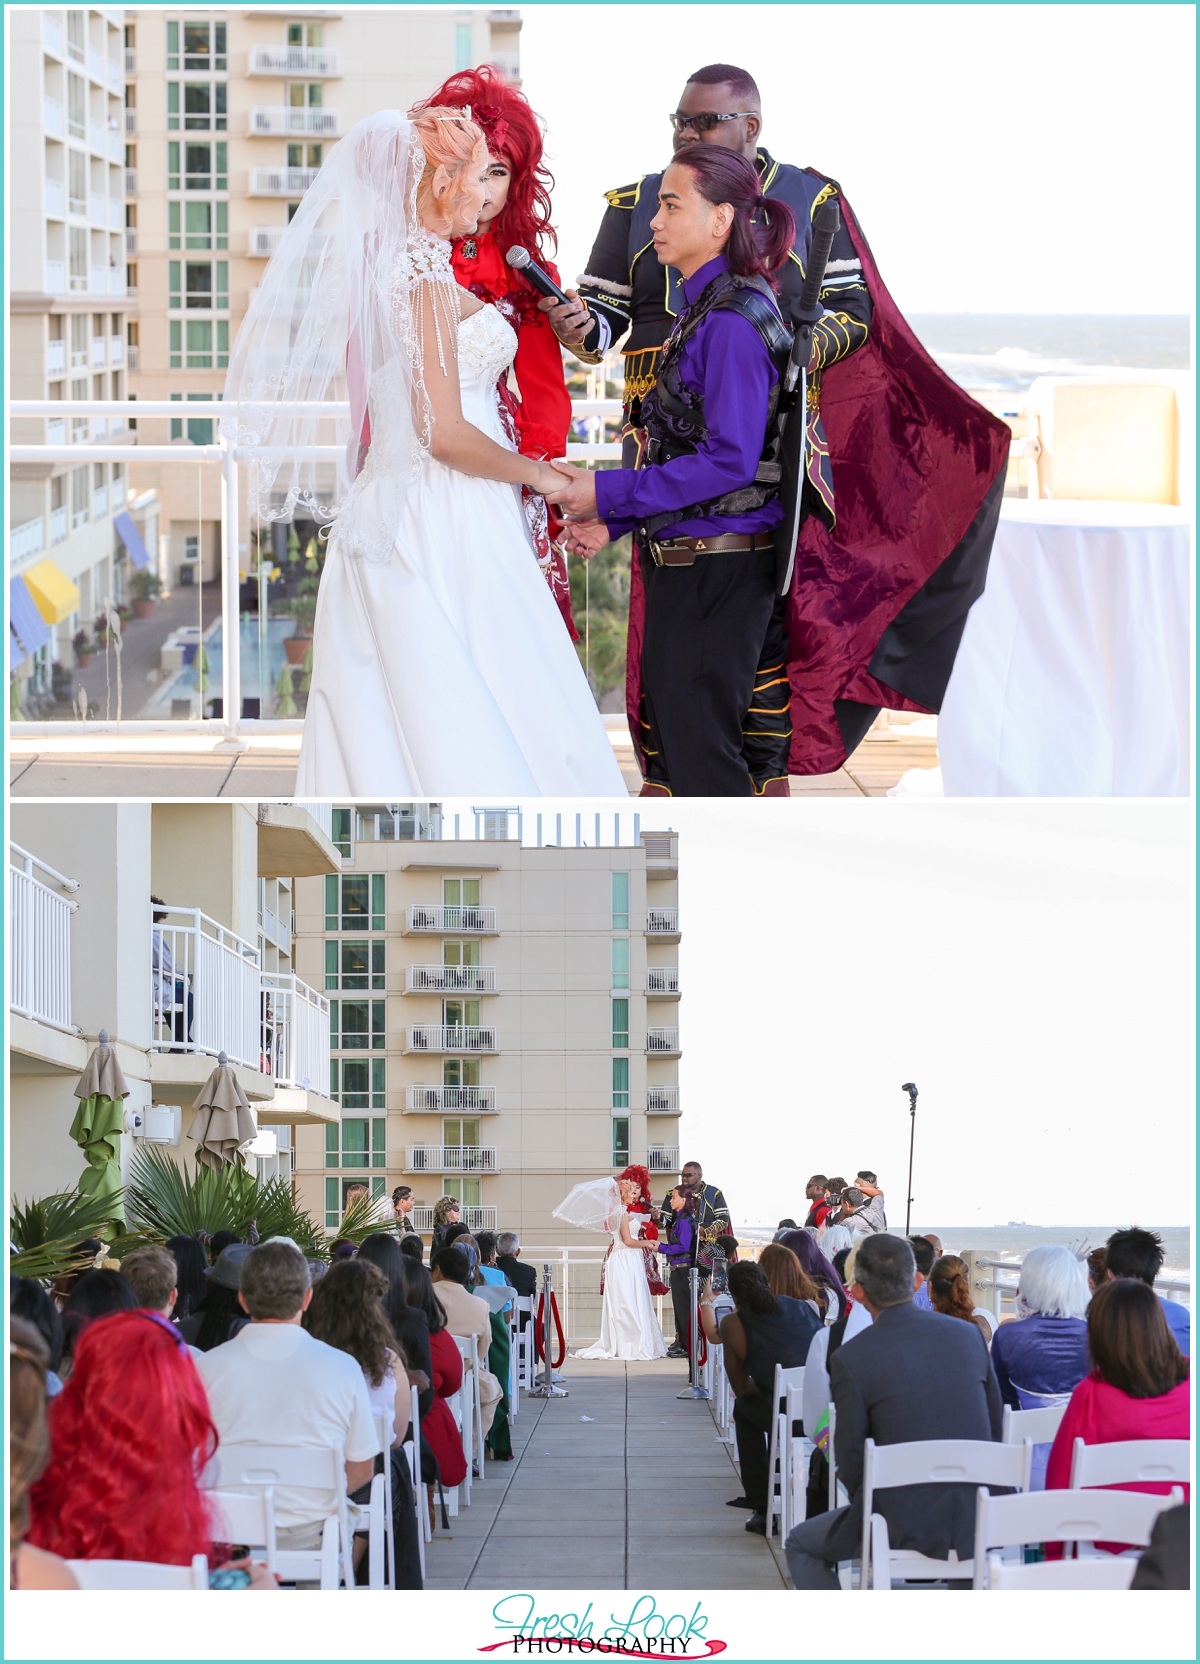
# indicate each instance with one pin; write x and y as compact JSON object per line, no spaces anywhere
{"x":705,"y":505}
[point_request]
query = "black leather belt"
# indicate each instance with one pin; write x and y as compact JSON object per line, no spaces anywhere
{"x":684,"y":551}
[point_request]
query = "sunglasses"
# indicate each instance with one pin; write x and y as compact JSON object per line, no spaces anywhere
{"x":706,"y":120}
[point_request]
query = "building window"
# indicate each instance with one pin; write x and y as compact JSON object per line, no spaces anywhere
{"x":353,"y":899}
{"x":175,"y":356}
{"x":357,"y":1025}
{"x":299,"y":34}
{"x":299,"y":95}
{"x":204,"y":106}
{"x":357,"y":1142}
{"x":339,"y":1193}
{"x":76,"y":106}
{"x":620,"y":962}
{"x":462,"y":46}
{"x":76,"y":36}
{"x":354,"y":964}
{"x":460,"y":1135}
{"x":203,"y":46}
{"x":305,"y":155}
{"x":78,"y":256}
{"x":620,"y":1083}
{"x":620,"y":1025}
{"x":79,"y":341}
{"x":466,"y":1192}
{"x":460,"y":1013}
{"x":199,"y":344}
{"x":620,"y":901}
{"x":77,"y":181}
{"x":79,"y":498}
{"x":199,"y":428}
{"x":460,"y":899}
{"x":358,"y":1082}
{"x":172,"y":46}
{"x":342,"y":823}
{"x":462,"y":1071}
{"x":620,"y":1141}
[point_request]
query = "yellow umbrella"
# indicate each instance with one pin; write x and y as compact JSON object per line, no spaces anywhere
{"x":223,"y":1121}
{"x":99,"y":1123}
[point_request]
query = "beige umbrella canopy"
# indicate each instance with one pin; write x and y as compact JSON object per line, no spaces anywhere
{"x":223,"y":1120}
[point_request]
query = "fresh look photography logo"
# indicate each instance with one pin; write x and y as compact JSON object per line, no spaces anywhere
{"x":646,"y":1631}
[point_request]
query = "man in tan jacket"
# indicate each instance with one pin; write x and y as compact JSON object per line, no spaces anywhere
{"x":466,"y":1315}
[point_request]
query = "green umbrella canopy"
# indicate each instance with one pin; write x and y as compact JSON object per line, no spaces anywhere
{"x":99,"y":1123}
{"x":223,"y":1120}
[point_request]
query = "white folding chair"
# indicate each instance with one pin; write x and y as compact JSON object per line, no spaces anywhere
{"x":1110,"y":1573}
{"x":256,"y":1467}
{"x":780,"y":1437}
{"x":1148,"y":1461}
{"x":797,"y":1453}
{"x":928,"y":1462}
{"x":140,"y":1574}
{"x":412,"y":1450}
{"x":456,"y":1403}
{"x":246,"y":1517}
{"x":472,"y":1426}
{"x":524,"y":1341}
{"x":1012,"y":1522}
{"x":1038,"y":1426}
{"x":381,"y":1538}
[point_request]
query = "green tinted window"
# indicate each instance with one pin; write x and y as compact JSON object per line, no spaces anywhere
{"x":620,"y":1083}
{"x":620,"y":1025}
{"x":620,"y":901}
{"x":620,"y":962}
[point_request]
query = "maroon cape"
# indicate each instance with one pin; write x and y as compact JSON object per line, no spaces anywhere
{"x":913,"y":458}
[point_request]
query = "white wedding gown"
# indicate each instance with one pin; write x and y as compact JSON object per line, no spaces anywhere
{"x":628,"y":1326}
{"x":444,"y":669}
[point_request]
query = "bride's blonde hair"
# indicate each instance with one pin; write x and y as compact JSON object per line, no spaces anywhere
{"x":453,"y":145}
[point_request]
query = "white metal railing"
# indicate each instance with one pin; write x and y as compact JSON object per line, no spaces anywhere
{"x":52,"y":117}
{"x":116,"y":214}
{"x":662,"y":979}
{"x":56,"y":358}
{"x":27,"y":539}
{"x":116,"y":349}
{"x":997,"y":1278}
{"x":451,"y":979}
{"x":295,"y":1027}
{"x":58,"y":525}
{"x":115,"y":75}
{"x":99,"y":352}
{"x":56,"y":277}
{"x":99,"y":502}
{"x":280,"y":181}
{"x":130,"y":181}
{"x":663,"y":1158}
{"x":206,"y":989}
{"x":131,"y":359}
{"x":96,"y":210}
{"x":448,"y":917}
{"x":55,"y":198}
{"x":116,"y":282}
{"x":95,"y":64}
{"x":130,"y":120}
{"x":52,"y":34}
{"x":662,"y":1040}
{"x":322,"y":813}
{"x":116,"y":147}
{"x":451,"y":1037}
{"x":662,"y":1100}
{"x":439,"y":1100}
{"x":662,"y":921}
{"x":451,"y":1158}
{"x":293,"y":60}
{"x":267,"y":120}
{"x":130,"y":61}
{"x":39,"y":941}
{"x":95,"y":137}
{"x":476,"y":1216}
{"x":263,"y":240}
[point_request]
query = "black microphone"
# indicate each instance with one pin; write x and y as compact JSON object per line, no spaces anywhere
{"x":521,"y":259}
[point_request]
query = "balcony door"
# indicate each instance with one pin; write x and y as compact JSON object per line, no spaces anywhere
{"x":460,"y":1013}
{"x":466,"y":1192}
{"x":459,"y":1135}
{"x":460,"y":896}
{"x":461,"y":1071}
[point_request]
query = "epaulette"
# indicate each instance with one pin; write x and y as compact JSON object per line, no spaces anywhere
{"x":625,"y":196}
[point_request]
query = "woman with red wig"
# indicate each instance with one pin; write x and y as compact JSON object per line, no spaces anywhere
{"x":517,"y":213}
{"x":130,"y":1435}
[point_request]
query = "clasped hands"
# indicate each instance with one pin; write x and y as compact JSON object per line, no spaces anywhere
{"x":574,"y":491}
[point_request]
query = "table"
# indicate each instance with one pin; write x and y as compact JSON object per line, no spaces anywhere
{"x":1073,"y":675}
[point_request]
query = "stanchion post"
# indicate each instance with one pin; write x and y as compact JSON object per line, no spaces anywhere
{"x":694,"y":1388}
{"x":546,"y":1387}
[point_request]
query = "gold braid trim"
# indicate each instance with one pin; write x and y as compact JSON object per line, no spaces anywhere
{"x":640,"y":370}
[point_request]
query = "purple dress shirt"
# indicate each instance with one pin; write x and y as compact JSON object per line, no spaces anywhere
{"x":679,"y":1249}
{"x":727,"y":362}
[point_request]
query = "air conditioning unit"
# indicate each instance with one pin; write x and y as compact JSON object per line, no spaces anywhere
{"x":159,"y":1123}
{"x":265,"y":1144}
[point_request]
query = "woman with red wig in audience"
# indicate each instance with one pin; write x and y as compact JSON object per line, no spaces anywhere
{"x":130,"y":1435}
{"x":517,"y":213}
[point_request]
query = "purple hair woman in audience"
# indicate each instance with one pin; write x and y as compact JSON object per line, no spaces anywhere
{"x":819,"y":1270}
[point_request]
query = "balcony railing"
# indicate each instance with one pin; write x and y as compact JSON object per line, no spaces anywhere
{"x":99,"y":502}
{"x":451,"y":1158}
{"x":662,"y":980}
{"x":99,"y":353}
{"x":663,"y":1159}
{"x":95,"y":64}
{"x":295,"y":1024}
{"x":96,"y":209}
{"x":56,"y":277}
{"x":56,"y":358}
{"x":116,"y":282}
{"x":52,"y":116}
{"x":116,"y":214}
{"x":281,"y":181}
{"x":55,"y":198}
{"x":451,"y":1037}
{"x":95,"y":137}
{"x":452,"y":1100}
{"x":475,"y":1216}
{"x":131,"y":182}
{"x":663,"y":1041}
{"x":662,"y":1100}
{"x":662,"y":921}
{"x":271,"y":120}
{"x":116,"y":349}
{"x":40,"y":937}
{"x":293,"y":60}
{"x":207,"y":989}
{"x":440,"y":918}
{"x":130,"y":120}
{"x":27,"y":539}
{"x":131,"y":360}
{"x":51,"y":35}
{"x":58,"y":525}
{"x":263,"y":241}
{"x":131,"y":240}
{"x":130,"y":61}
{"x":450,"y":979}
{"x":114,"y":75}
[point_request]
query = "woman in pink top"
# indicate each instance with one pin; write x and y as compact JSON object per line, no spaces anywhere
{"x":1138,"y":1388}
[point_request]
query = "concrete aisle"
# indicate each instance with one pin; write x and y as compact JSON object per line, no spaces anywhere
{"x":633,"y":1498}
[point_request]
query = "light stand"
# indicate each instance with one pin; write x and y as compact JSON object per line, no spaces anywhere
{"x":912,"y":1110}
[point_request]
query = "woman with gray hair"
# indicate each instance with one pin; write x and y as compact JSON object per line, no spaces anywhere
{"x":1040,"y":1359}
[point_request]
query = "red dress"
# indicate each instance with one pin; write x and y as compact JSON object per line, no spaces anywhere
{"x":438,"y":1429}
{"x":539,"y":421}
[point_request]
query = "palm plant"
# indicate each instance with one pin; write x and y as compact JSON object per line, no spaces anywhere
{"x":364,"y":1216}
{"x":45,"y":1232}
{"x":168,"y":1199}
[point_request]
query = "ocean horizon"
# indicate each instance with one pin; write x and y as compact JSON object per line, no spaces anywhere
{"x":1008,"y":350}
{"x":1016,"y":1238}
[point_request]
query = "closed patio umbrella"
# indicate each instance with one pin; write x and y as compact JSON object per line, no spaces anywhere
{"x":223,"y":1120}
{"x":99,"y":1123}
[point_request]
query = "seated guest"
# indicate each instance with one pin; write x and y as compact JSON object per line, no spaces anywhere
{"x":96,"y":1294}
{"x":825,"y":1346}
{"x":191,"y":1264}
{"x":1167,"y":1562}
{"x":130,"y":1434}
{"x":763,"y":1330}
{"x":410,"y":1326}
{"x":413,"y":1247}
{"x":950,"y":1294}
{"x":1097,"y":1268}
{"x":442,"y":1460}
{"x":1138,"y":1253}
{"x":273,"y":1384}
{"x":28,"y":1453}
{"x":467,"y":1317}
{"x":499,"y":1441}
{"x":218,"y":1242}
{"x":833,"y":1239}
{"x":524,"y":1278}
{"x":154,"y":1276}
{"x":220,"y":1315}
{"x":1137,"y":1389}
{"x":1042,"y":1357}
{"x":27,"y":1299}
{"x":446,"y":1213}
{"x":912,"y":1375}
{"x":924,"y":1254}
{"x":830,"y":1292}
{"x":785,"y":1276}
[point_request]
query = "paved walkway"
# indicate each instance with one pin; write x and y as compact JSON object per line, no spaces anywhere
{"x":591,"y":1498}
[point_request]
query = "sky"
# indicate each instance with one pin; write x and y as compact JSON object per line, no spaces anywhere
{"x":1028,"y":966}
{"x":1026,"y":158}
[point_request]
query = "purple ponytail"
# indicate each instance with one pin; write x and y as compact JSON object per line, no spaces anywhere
{"x":724,"y":176}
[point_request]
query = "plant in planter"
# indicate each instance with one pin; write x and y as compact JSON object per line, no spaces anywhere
{"x":146,"y":588}
{"x":85,"y":648}
{"x":124,"y":613}
{"x":104,"y":630}
{"x":303,"y":608}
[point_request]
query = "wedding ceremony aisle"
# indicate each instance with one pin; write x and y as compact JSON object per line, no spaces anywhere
{"x":621,"y":1485}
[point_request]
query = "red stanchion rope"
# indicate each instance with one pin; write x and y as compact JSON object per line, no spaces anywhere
{"x":703,"y":1358}
{"x":558,"y":1329}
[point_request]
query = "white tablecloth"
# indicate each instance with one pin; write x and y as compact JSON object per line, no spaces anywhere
{"x":1072,"y":679}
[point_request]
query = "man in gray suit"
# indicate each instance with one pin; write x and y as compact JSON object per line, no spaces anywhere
{"x":912,"y":1375}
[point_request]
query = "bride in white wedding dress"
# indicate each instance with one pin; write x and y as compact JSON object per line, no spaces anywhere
{"x":629,"y":1329}
{"x":440,"y":664}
